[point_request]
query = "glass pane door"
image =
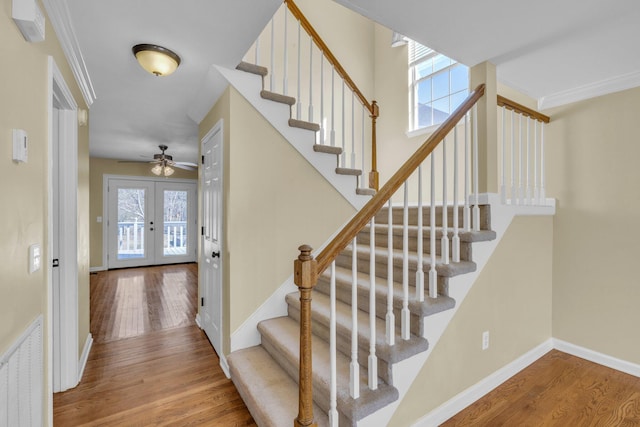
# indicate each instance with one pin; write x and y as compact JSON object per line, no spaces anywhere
{"x":175,"y":234}
{"x":176,"y":203}
{"x":131,"y":223}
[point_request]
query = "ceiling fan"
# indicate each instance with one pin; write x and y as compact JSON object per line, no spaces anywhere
{"x":163,"y":164}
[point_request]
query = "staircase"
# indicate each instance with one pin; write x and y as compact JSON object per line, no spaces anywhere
{"x":266,"y":375}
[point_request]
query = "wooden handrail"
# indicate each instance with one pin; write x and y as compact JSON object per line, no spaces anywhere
{"x":521,"y":109}
{"x":297,"y":13}
{"x":362,"y":218}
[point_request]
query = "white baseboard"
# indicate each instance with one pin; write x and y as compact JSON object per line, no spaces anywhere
{"x":599,"y":358}
{"x":96,"y":269}
{"x":85,"y":356}
{"x":475,"y":392}
{"x":224,"y":365}
{"x":198,"y":321}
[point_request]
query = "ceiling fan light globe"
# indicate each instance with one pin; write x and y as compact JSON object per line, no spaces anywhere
{"x":156,"y":170}
{"x":168,"y":171}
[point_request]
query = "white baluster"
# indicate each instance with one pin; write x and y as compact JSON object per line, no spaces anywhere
{"x":444,"y":240}
{"x":405,"y":318}
{"x":503,"y":185}
{"x":476,"y":207}
{"x":433,"y":275}
{"x":543,"y":196}
{"x":362,"y":157}
{"x":354,"y":384}
{"x":520,"y":180}
{"x":322,"y":123}
{"x":310,"y":79}
{"x":285,"y":81}
{"x":273,"y":58}
{"x":455,"y":242}
{"x":298,"y":98}
{"x":527,"y":196}
{"x":373,"y":359}
{"x":333,"y":108}
{"x":514,"y":194}
{"x":353,"y":132}
{"x":344,"y":144}
{"x":390,"y":319}
{"x":466,"y":211}
{"x":257,"y":52}
{"x":420,"y":270}
{"x":536,"y":189}
{"x":333,"y":401}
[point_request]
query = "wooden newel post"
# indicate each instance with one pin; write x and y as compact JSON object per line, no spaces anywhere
{"x":373,"y":175}
{"x":305,"y":276}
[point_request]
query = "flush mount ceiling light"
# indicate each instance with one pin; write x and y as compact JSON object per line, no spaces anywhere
{"x":157,"y":60}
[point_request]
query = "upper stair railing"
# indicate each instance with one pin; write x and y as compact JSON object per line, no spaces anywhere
{"x":452,"y":168}
{"x":301,"y":65}
{"x":522,"y":178}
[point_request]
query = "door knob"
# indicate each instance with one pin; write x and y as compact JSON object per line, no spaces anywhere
{"x":215,"y":254}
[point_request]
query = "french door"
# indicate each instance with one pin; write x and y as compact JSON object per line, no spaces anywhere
{"x":150,"y":222}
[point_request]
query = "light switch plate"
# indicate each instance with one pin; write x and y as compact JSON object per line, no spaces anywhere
{"x":35,"y":258}
{"x":20,"y":141}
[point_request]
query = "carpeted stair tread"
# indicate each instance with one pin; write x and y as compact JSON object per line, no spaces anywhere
{"x":321,"y":148}
{"x":381,"y":254}
{"x":252,"y":68}
{"x":398,"y":212}
{"x":321,"y":311}
{"x":465,"y":236}
{"x":304,"y":125}
{"x":348,"y":171}
{"x":281,"y":336}
{"x":365,"y":191}
{"x":425,"y":308}
{"x":276,"y":97}
{"x":268,"y":391}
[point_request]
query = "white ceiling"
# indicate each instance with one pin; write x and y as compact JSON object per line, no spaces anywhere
{"x":135,"y":111}
{"x":555,"y":51}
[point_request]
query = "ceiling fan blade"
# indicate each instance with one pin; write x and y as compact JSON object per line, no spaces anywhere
{"x":137,"y":161}
{"x":193,"y":165}
{"x":185,"y":167}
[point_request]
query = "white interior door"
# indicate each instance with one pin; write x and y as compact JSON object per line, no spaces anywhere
{"x":150,"y":222}
{"x":212,"y":250}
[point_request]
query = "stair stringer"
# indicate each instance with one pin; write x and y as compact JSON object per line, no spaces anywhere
{"x":249,"y":86}
{"x":404,"y":372}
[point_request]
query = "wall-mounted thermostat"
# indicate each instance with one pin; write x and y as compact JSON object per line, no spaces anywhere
{"x":20,"y":141}
{"x":29,"y":19}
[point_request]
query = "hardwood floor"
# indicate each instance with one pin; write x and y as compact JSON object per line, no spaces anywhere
{"x":150,"y":364}
{"x":558,"y":390}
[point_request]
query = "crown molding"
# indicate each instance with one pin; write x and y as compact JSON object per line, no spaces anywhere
{"x":591,"y":90}
{"x":58,"y":13}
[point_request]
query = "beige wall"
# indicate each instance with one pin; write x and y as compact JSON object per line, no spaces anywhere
{"x":100,"y":167}
{"x":511,"y":299}
{"x":23,"y":218}
{"x":274,"y":202}
{"x":592,"y":158}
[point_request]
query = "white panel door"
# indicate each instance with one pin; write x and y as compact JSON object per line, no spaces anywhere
{"x":212,"y":250}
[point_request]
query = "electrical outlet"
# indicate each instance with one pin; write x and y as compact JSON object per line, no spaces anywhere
{"x":485,"y":340}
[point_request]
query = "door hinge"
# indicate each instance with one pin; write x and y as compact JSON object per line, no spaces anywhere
{"x":202,"y":302}
{"x":202,"y":231}
{"x":203,"y":160}
{"x":56,"y":262}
